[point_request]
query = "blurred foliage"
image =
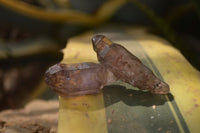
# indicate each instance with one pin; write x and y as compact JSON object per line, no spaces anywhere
{"x":167,"y":31}
{"x":61,"y":19}
{"x":197,"y":5}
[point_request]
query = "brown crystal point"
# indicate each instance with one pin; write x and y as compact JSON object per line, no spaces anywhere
{"x":127,"y":67}
{"x":69,"y":80}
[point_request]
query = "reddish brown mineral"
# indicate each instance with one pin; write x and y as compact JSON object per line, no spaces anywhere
{"x":116,"y":63}
{"x":69,"y":80}
{"x":127,"y":67}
